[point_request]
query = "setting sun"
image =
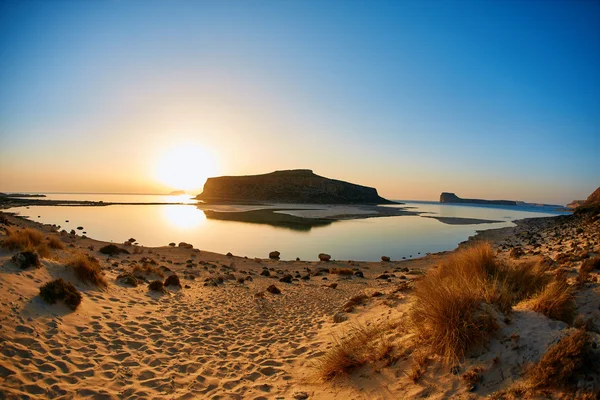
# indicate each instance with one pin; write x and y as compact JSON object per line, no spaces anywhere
{"x":185,"y":167}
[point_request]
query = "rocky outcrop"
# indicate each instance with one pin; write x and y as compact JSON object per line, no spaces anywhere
{"x":593,"y":199}
{"x":291,"y":186}
{"x":591,"y":204}
{"x":574,"y":204}
{"x":446,"y":197}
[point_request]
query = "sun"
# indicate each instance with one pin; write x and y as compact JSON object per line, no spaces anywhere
{"x":185,"y":167}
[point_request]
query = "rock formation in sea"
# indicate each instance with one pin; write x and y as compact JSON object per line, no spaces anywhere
{"x":446,"y":197}
{"x":290,"y":186}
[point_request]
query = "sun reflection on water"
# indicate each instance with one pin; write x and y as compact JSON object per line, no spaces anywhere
{"x":183,"y":217}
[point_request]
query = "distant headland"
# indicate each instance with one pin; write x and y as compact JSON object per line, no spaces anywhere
{"x":21,"y":195}
{"x":289,"y":186}
{"x":446,"y":197}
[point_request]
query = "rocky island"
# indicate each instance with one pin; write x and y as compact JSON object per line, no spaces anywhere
{"x":289,"y":186}
{"x":446,"y":197}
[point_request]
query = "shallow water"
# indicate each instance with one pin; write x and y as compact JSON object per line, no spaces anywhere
{"x":364,"y":239}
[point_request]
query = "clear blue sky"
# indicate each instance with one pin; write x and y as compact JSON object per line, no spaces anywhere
{"x":489,"y":99}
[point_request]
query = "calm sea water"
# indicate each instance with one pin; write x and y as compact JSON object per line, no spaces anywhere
{"x":366,"y":239}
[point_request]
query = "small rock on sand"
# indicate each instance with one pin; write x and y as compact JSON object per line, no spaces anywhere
{"x":324,"y":257}
{"x":273,"y":289}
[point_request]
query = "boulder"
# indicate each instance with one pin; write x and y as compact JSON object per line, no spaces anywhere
{"x":385,"y":258}
{"x":324,"y":257}
{"x":113,"y":250}
{"x":274,"y":254}
{"x":172,"y":280}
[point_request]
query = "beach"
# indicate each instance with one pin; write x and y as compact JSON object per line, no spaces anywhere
{"x":223,"y":335}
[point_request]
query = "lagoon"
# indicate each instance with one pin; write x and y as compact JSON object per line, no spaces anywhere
{"x":357,"y":239}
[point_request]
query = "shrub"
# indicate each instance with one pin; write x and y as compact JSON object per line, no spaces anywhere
{"x":22,"y":239}
{"x":87,"y":269}
{"x":562,"y":362}
{"x":172,"y":280}
{"x":55,"y":243}
{"x":127,"y":279}
{"x":360,"y":346}
{"x":26,"y":259}
{"x":156,"y":286}
{"x":147,"y":271}
{"x":556,"y":301}
{"x":341,"y":271}
{"x":58,"y":290}
{"x":113,"y":250}
{"x":357,"y":300}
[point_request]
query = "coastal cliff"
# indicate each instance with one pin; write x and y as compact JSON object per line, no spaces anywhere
{"x":290,"y":186}
{"x":446,"y":197}
{"x":592,"y":203}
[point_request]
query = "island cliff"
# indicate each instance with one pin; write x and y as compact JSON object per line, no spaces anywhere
{"x":291,"y":186}
{"x":446,"y":197}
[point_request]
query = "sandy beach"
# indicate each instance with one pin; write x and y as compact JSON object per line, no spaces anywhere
{"x":222,"y":335}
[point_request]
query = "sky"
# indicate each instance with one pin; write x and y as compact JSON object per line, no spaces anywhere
{"x":487,"y":99}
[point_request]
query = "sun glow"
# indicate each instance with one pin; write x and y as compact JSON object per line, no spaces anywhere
{"x":183,"y":217}
{"x":186,"y":167}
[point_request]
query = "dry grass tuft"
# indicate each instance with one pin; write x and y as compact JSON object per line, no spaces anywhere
{"x":341,"y":271}
{"x":563,"y":361}
{"x":457,"y":305}
{"x":55,"y":243}
{"x":22,"y":239}
{"x":591,"y":264}
{"x":418,"y":368}
{"x":587,"y":268}
{"x":87,"y":269}
{"x":29,"y":239}
{"x":44,"y":251}
{"x":361,"y":345}
{"x":556,"y":301}
{"x":472,"y":376}
{"x":359,"y":299}
{"x":449,"y":314}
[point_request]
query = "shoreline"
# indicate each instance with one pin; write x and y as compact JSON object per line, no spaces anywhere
{"x":311,"y":215}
